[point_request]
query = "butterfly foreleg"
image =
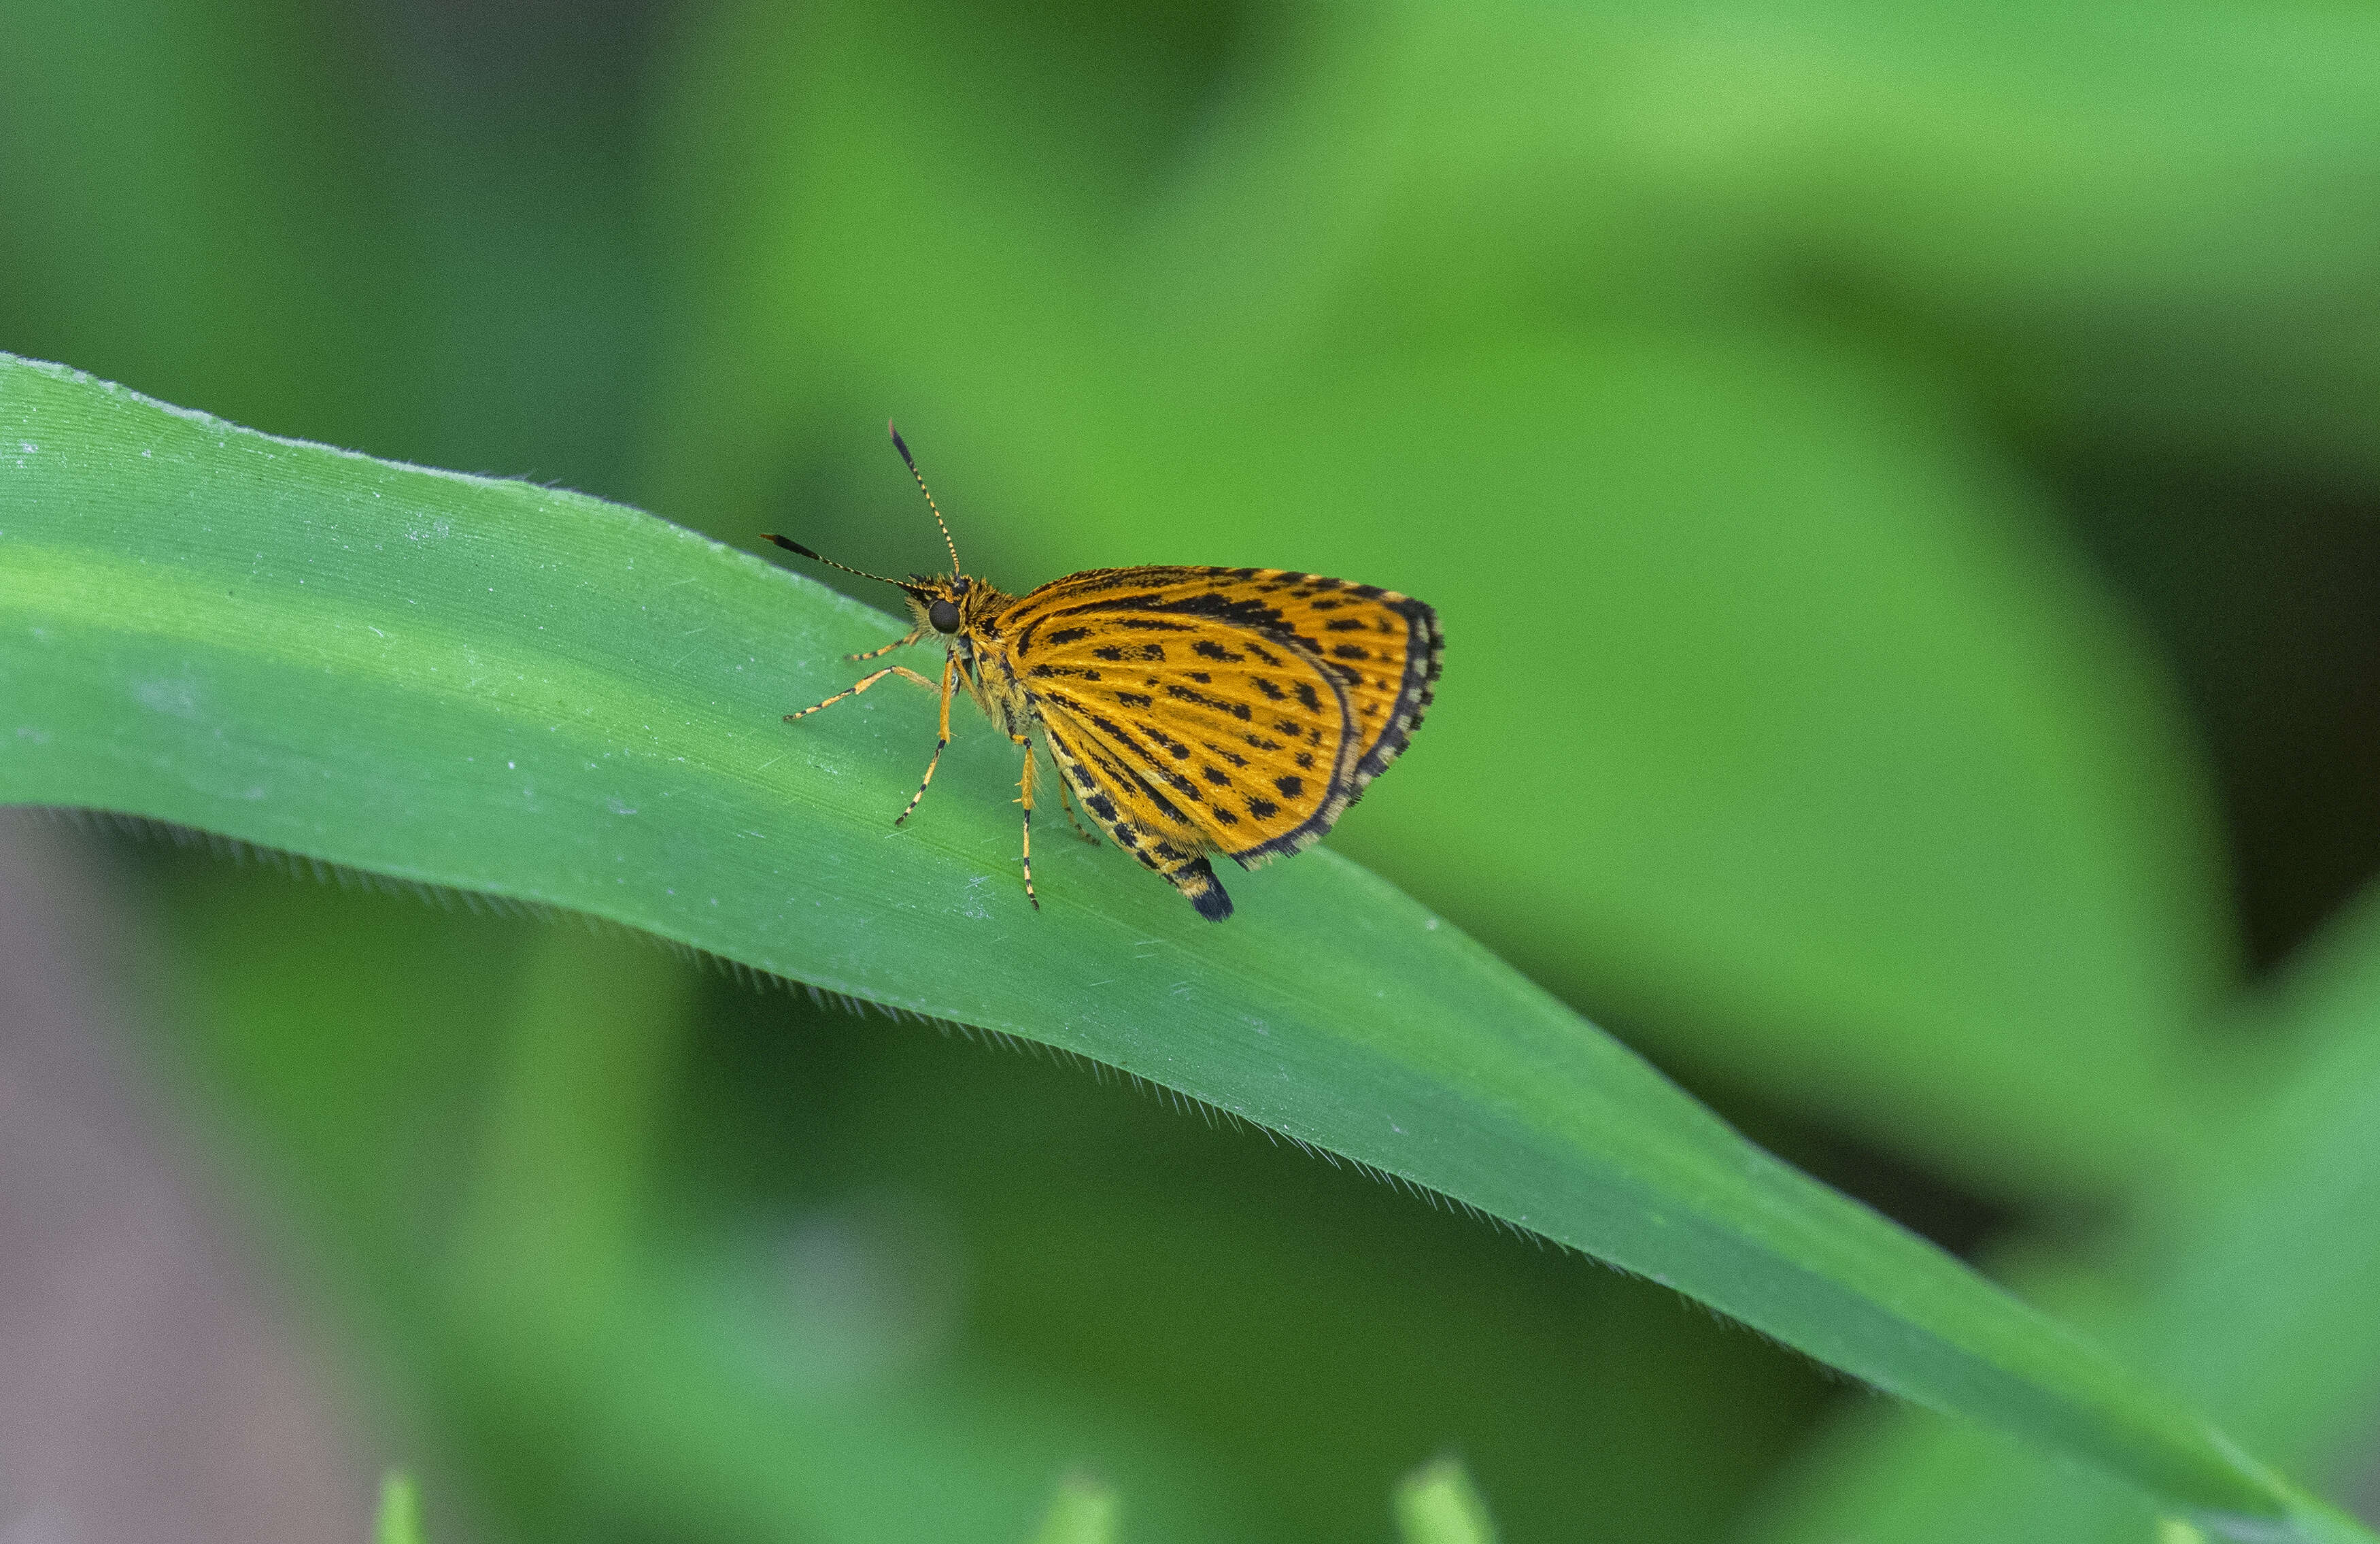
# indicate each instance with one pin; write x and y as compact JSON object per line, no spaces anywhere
{"x":943,"y":743}
{"x":1025,"y":792}
{"x":862,"y":684}
{"x":914,"y":634}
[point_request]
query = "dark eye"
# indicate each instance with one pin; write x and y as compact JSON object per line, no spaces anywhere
{"x":943,"y":615}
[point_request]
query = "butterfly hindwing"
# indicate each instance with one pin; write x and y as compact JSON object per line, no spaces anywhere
{"x":1384,"y":647}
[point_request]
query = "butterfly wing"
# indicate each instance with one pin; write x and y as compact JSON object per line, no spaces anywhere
{"x":1237,"y":709}
{"x":1130,"y":800}
{"x":1385,"y":648}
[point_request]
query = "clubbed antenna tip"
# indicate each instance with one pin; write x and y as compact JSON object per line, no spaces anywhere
{"x":798,"y":547}
{"x":911,"y":462}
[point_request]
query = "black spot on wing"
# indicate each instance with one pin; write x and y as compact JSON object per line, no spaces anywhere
{"x":1173,"y":748}
{"x":1204,"y":699}
{"x":1291,"y":787}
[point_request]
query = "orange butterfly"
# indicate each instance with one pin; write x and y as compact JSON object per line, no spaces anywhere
{"x":1238,"y":710}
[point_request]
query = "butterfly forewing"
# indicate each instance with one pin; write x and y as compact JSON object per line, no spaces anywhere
{"x":1245,"y":707}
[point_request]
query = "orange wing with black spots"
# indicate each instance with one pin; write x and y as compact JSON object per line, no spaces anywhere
{"x":1240,"y":710}
{"x":1194,"y":710}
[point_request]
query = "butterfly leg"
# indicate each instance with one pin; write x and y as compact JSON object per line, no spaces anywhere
{"x":1065,"y":779}
{"x":914,"y":634}
{"x":1067,"y":804}
{"x":1024,"y":787}
{"x":862,"y":684}
{"x":949,"y":668}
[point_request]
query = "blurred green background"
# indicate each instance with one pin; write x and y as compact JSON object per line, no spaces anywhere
{"x":1902,"y":493}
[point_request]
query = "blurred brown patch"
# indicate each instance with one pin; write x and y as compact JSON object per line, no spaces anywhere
{"x":151,"y":1387}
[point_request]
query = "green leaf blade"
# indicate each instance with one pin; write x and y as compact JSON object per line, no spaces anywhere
{"x":1083,"y":1511}
{"x":2247,"y":1277}
{"x":1439,"y":1504}
{"x":501,"y":687}
{"x":399,"y":1521}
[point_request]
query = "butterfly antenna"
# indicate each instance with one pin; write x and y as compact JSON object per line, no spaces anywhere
{"x":911,"y":461}
{"x":798,"y":547}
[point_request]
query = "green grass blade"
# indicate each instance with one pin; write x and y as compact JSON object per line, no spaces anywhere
{"x":1438,"y":1504}
{"x":501,"y":688}
{"x":1083,"y":1511}
{"x":2248,"y":1282}
{"x":400,"y":1510}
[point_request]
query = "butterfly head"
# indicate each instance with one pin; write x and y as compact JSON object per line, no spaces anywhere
{"x":952,"y":604}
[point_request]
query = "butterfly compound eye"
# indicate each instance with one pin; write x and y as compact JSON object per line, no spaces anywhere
{"x":943,"y":615}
